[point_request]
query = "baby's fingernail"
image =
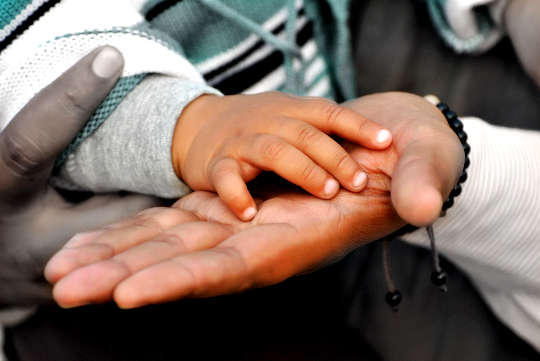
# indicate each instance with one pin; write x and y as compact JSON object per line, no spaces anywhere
{"x":331,"y":187}
{"x":249,"y":214}
{"x":359,"y":179}
{"x":383,"y":136}
{"x":107,"y":63}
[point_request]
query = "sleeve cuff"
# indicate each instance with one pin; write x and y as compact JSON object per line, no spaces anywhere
{"x":131,"y":151}
{"x":492,"y":231}
{"x":468,"y":26}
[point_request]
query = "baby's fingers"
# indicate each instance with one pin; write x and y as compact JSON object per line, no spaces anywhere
{"x":324,"y":151}
{"x":226,"y":176}
{"x":333,"y":118}
{"x":270,"y":152}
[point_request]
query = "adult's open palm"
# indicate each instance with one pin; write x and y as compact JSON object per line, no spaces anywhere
{"x":198,"y":248}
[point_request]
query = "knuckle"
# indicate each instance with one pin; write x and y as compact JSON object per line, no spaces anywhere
{"x":308,"y":135}
{"x":361,"y":122}
{"x":172,"y":240}
{"x":270,"y":148}
{"x":309,"y":172}
{"x":331,"y":110}
{"x":71,"y":103}
{"x":342,"y":160}
{"x":222,"y":169}
{"x":144,"y":221}
{"x":21,"y":155}
{"x":159,"y":218}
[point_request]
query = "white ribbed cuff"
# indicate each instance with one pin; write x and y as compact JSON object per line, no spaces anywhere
{"x":493,"y":229}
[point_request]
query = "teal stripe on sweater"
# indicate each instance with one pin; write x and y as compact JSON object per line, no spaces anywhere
{"x":205,"y":34}
{"x":9,"y":9}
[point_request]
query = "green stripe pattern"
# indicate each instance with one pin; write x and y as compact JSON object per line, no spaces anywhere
{"x":9,"y":9}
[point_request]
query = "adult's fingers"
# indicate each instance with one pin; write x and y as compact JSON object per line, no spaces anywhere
{"x":247,"y":259}
{"x":86,"y":248}
{"x":96,"y":282}
{"x":49,"y":122}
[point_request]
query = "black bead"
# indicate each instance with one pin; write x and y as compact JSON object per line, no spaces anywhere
{"x":449,"y":203}
{"x":462,"y":136}
{"x":439,"y":278}
{"x":450,"y":116}
{"x":466,"y":149}
{"x":463,"y":177}
{"x":455,"y":124}
{"x":456,"y":191}
{"x":393,"y":299}
{"x":467,"y":163}
{"x":442,"y":107}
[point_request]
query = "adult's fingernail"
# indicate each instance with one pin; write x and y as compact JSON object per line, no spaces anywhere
{"x":107,"y":63}
{"x":383,"y":136}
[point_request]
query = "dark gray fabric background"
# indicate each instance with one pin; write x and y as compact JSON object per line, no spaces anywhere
{"x":336,"y":314}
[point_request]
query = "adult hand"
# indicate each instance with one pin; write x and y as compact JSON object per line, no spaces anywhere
{"x":35,"y":221}
{"x":198,"y":248}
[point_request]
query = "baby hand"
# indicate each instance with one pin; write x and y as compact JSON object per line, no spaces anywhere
{"x":220,"y":143}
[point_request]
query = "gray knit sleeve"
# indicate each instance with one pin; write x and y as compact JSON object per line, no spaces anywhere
{"x":131,"y":151}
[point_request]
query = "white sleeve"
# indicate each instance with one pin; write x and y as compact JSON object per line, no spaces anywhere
{"x":493,"y":230}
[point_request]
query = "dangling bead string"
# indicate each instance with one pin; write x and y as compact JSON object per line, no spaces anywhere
{"x":386,"y":265}
{"x":434,"y":252}
{"x":393,"y":296}
{"x":438,"y":277}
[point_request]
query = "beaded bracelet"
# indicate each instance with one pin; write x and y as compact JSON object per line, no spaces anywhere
{"x":438,"y":276}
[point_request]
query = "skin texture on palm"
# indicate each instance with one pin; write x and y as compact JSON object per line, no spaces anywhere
{"x":198,"y":248}
{"x":35,"y":221}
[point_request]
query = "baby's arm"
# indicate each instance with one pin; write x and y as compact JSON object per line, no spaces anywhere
{"x":131,"y":150}
{"x":219,"y":144}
